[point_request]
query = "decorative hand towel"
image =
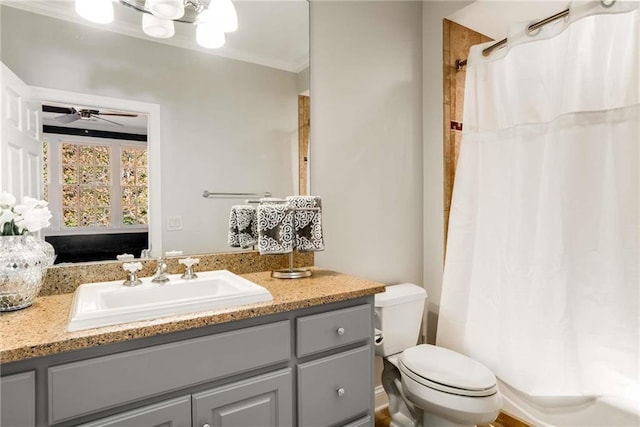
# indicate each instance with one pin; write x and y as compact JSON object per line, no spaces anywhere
{"x":305,"y":201}
{"x":242,"y":227}
{"x":307,"y":222}
{"x":308,"y":229}
{"x":275,"y":229}
{"x":272,"y":200}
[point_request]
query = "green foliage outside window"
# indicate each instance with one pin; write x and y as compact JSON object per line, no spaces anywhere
{"x":86,"y":182}
{"x":87,"y":192}
{"x":134,"y":180}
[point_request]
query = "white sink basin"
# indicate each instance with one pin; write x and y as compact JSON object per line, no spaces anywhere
{"x":111,"y":303}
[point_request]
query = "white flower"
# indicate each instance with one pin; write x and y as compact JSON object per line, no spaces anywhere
{"x":33,"y":220}
{"x":7,"y":200}
{"x":29,"y":203}
{"x":6,"y":215}
{"x":31,"y":215}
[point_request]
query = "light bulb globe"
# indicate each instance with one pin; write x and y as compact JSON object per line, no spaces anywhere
{"x":167,"y":9}
{"x":96,"y":11}
{"x":157,"y":27}
{"x":225,"y":13}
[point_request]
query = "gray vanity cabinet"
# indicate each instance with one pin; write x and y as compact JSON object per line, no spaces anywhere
{"x":334,"y":388}
{"x":337,"y":387}
{"x":87,"y":386}
{"x":174,"y":413}
{"x":18,"y":400}
{"x":263,"y":401}
{"x":311,"y":367}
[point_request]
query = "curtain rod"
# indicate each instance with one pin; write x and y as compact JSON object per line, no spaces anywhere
{"x":461,"y":63}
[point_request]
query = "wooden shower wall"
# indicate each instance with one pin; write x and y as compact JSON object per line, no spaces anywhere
{"x":456,"y":43}
{"x":303,"y":143}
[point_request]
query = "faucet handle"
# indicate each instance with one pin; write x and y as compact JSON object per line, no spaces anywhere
{"x":132,"y":268}
{"x":189,"y":263}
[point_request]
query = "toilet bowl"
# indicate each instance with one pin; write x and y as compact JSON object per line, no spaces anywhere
{"x":428,"y":386}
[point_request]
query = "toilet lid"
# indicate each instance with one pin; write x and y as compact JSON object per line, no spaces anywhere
{"x":448,"y":368}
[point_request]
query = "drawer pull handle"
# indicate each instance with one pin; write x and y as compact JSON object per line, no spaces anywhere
{"x":340,"y":331}
{"x":340,"y":392}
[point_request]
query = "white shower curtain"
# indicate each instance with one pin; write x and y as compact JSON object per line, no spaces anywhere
{"x":541,"y":275}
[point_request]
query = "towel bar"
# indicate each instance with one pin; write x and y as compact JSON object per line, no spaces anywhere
{"x":210,"y":195}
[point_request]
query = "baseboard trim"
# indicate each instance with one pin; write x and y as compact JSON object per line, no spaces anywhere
{"x":381,"y":400}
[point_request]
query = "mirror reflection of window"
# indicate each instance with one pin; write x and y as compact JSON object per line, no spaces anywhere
{"x":88,"y":198}
{"x":86,"y":185}
{"x":134,"y":185}
{"x":96,"y":179}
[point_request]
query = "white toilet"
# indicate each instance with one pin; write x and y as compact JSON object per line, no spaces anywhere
{"x":428,"y":386}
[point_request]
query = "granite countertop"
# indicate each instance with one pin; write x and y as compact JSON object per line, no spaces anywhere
{"x":40,"y":330}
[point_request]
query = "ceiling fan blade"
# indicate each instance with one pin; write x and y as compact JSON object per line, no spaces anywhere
{"x":56,"y":109}
{"x":110,"y":121}
{"x":68,"y":118}
{"x":115,"y":114}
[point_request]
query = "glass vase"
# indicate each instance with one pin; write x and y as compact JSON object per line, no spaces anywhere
{"x":22,"y":266}
{"x":45,"y":247}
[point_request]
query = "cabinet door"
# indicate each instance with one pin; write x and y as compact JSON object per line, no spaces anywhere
{"x":263,"y":401}
{"x":18,"y":400}
{"x":172,"y":413}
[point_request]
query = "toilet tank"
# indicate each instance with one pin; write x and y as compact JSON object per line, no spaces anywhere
{"x":398,"y":315}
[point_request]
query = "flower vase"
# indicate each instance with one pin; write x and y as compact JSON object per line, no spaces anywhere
{"x":22,"y":267}
{"x":45,"y":247}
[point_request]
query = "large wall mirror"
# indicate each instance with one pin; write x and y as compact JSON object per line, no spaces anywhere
{"x":221,"y":120}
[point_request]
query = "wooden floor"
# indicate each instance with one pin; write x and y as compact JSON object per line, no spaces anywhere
{"x":383,"y":420}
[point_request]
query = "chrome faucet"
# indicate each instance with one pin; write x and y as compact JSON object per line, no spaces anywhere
{"x":161,"y":275}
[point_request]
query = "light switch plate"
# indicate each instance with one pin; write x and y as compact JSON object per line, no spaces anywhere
{"x":174,"y":223}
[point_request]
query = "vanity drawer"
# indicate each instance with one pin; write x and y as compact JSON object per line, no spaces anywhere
{"x":84,"y":387}
{"x":336,"y":328}
{"x":174,"y":413}
{"x":335,"y":388}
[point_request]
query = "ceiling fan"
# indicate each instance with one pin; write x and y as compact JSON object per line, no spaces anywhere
{"x":71,"y":114}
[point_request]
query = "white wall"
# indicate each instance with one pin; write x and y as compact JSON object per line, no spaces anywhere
{"x":376,"y":139}
{"x":366,"y":136}
{"x":226,"y":125}
{"x":303,"y":80}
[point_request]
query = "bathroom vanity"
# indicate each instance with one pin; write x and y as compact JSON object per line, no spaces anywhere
{"x":304,"y":359}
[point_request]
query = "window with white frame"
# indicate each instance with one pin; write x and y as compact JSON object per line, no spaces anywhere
{"x":95,"y":185}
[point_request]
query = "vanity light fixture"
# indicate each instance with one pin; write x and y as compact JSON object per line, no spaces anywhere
{"x":212,"y":18}
{"x":166,"y":9}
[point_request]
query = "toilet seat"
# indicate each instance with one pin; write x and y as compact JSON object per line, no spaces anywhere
{"x":447,"y":371}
